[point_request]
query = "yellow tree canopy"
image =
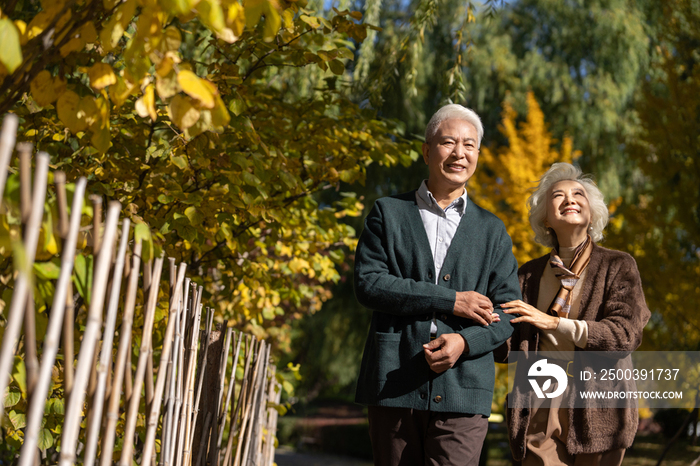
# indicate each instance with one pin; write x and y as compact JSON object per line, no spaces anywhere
{"x":507,"y":174}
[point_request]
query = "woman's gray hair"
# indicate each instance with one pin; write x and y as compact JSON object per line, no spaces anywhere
{"x":453,"y":112}
{"x":537,"y":202}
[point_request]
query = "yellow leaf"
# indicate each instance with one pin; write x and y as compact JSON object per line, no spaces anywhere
{"x":219,"y":114}
{"x":101,"y":139}
{"x":22,"y":28}
{"x":42,"y":89}
{"x":254,"y":9}
{"x":167,"y":85}
{"x":311,"y":21}
{"x":177,"y":7}
{"x":87,"y":110}
{"x":182,"y":112}
{"x":226,"y":34}
{"x":116,"y":25}
{"x":121,"y":91}
{"x":88,"y":33}
{"x":59,"y":85}
{"x":165,"y":66}
{"x":76,"y":113}
{"x":211,"y":14}
{"x":171,"y":39}
{"x":272,"y":23}
{"x":145,"y":106}
{"x":67,"y":109}
{"x":196,"y":88}
{"x":235,"y":18}
{"x":85,"y":35}
{"x":10,"y":51}
{"x":101,"y":75}
{"x":288,"y":18}
{"x":102,"y":112}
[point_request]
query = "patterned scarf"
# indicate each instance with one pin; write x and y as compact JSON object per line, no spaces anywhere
{"x":561,"y":306}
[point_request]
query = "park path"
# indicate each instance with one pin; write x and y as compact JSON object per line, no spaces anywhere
{"x":285,"y":456}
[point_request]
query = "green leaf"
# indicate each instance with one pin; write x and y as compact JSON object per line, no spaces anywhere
{"x":179,"y":161}
{"x":311,"y":21}
{"x":59,"y":406}
{"x":143,"y":232}
{"x":18,"y":420}
{"x":47,"y":270}
{"x":12,"y":399}
{"x":336,"y":67}
{"x":45,"y":439}
{"x":236,"y":106}
{"x":250,"y":179}
{"x":82,"y":276}
{"x":11,"y":51}
{"x":195,"y":215}
{"x":165,"y":198}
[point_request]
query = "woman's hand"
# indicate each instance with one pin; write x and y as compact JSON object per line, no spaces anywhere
{"x":531,"y":315}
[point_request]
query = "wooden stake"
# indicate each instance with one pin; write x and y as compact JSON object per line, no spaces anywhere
{"x":25,"y":180}
{"x":36,"y":408}
{"x":69,"y":314}
{"x":19,"y":296}
{"x":213,"y":458}
{"x":132,"y":413}
{"x":95,"y":414}
{"x":7,"y":142}
{"x":152,"y":420}
{"x":186,"y":414}
{"x":250,"y":345}
{"x":91,"y":336}
{"x":231,"y":385}
{"x":122,"y":364}
{"x":180,"y":344}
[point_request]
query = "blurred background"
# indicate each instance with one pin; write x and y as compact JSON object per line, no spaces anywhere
{"x":613,"y":86}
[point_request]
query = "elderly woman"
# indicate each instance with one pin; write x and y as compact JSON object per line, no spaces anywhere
{"x":579,"y":297}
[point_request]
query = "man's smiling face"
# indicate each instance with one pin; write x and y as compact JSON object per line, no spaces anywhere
{"x":451,"y":155}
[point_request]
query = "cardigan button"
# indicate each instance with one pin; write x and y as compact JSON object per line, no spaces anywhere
{"x":423,"y":396}
{"x":446,"y":277}
{"x":438,"y":399}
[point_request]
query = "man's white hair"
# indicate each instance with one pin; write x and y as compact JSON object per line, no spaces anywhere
{"x":453,"y":112}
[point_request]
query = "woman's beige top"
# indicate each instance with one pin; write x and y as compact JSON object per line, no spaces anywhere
{"x":570,"y":332}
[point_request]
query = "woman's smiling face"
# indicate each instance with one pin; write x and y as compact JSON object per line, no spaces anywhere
{"x":568,"y":210}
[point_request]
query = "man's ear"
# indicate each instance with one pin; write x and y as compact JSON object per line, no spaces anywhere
{"x":426,"y":152}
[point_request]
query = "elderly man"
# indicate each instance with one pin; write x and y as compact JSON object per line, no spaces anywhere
{"x":433,"y":267}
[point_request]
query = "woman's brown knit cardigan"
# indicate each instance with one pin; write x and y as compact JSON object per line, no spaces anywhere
{"x":613,"y":304}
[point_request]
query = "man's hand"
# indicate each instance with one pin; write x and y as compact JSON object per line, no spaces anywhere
{"x":443,"y":352}
{"x":475,"y":306}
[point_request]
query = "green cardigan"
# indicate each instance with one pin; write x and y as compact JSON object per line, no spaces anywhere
{"x":394,"y":277}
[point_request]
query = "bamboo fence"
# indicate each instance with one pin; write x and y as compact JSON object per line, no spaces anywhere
{"x":181,"y":403}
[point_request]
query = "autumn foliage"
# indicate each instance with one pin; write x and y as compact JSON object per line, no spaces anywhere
{"x":213,"y":122}
{"x":507,"y":174}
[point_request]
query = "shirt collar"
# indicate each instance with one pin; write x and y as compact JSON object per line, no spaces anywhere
{"x":459,"y":204}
